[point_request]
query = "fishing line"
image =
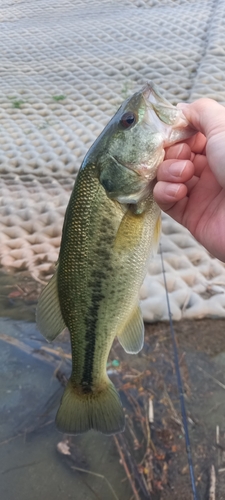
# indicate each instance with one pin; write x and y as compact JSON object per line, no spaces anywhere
{"x":180,"y":386}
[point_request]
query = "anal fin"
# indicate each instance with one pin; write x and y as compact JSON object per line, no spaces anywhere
{"x":48,"y":316}
{"x":132,"y":336}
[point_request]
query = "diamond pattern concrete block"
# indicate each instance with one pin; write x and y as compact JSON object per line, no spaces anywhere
{"x":65,"y":68}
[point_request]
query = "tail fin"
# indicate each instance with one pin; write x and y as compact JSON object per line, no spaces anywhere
{"x":101,"y":411}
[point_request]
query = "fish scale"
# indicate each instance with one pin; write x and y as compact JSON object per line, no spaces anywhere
{"x":111,"y":227}
{"x":95,"y":282}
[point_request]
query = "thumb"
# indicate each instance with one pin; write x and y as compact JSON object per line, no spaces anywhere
{"x":206,"y":115}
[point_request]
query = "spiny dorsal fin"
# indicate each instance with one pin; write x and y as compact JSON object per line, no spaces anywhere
{"x":48,"y":317}
{"x":132,"y":336}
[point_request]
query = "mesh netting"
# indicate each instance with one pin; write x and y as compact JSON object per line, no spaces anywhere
{"x":65,"y":68}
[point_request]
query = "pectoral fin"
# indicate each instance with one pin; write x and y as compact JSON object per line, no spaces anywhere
{"x":132,"y":336}
{"x":129,"y":232}
{"x":48,"y":317}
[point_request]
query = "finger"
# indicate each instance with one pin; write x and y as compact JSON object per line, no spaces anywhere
{"x":175,"y":171}
{"x":200,"y":163}
{"x":197,"y":143}
{"x":180,"y":150}
{"x":178,"y":209}
{"x":167,"y":194}
{"x":191,"y":184}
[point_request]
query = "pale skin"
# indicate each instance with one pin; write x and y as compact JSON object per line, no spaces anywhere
{"x":191,"y":179}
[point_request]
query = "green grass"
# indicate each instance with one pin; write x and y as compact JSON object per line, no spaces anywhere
{"x":60,"y":97}
{"x":16,"y":102}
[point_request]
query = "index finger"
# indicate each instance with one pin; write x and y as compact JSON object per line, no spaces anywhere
{"x":181,"y":151}
{"x":197,"y":143}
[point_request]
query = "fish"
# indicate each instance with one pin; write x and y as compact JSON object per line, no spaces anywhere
{"x":111,"y":229}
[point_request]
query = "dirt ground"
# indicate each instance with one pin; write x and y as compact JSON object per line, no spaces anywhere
{"x":153,"y":453}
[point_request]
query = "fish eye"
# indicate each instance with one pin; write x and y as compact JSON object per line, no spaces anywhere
{"x":128,"y":119}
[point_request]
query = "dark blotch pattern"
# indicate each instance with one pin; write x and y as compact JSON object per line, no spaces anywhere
{"x":101,"y":273}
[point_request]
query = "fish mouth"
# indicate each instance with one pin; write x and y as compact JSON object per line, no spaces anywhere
{"x":153,"y":96}
{"x":166,"y":117}
{"x":154,"y":101}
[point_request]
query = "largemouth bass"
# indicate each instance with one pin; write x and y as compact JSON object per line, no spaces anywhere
{"x":111,"y":227}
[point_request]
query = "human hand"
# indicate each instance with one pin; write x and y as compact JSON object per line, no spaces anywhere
{"x":191,"y":179}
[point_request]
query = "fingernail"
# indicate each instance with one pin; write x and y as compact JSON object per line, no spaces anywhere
{"x":176,"y":169}
{"x":179,"y":149}
{"x":183,"y":105}
{"x":172,"y":189}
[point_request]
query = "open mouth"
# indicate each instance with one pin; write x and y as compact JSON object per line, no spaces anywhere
{"x":152,"y":95}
